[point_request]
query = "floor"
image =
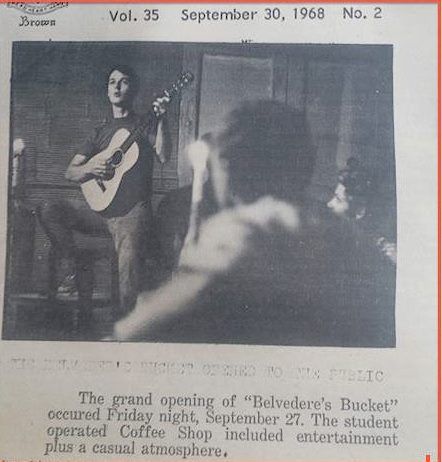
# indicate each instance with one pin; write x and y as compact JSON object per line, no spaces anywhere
{"x":33,"y":317}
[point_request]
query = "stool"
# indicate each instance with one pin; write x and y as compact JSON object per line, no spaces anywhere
{"x":91,"y":250}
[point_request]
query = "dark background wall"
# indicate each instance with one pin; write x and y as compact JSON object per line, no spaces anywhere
{"x":59,"y":95}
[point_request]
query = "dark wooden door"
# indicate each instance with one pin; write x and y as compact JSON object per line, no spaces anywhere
{"x":225,"y":76}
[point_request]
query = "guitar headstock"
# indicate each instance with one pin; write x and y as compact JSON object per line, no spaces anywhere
{"x":185,"y":79}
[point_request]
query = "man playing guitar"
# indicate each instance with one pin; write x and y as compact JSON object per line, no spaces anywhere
{"x":128,"y":218}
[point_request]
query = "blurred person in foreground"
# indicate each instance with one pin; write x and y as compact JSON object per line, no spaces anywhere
{"x":356,"y":199}
{"x":270,"y":266}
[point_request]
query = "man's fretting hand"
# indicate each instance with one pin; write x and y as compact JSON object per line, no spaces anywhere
{"x":160,"y":105}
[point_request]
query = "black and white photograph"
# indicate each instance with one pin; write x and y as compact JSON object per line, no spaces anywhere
{"x":218,"y":193}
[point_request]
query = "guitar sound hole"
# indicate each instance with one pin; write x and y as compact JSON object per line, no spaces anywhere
{"x":116,"y":158}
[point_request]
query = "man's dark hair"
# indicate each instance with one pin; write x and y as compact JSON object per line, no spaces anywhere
{"x":130,"y":72}
{"x":357,"y":180}
{"x":269,"y":151}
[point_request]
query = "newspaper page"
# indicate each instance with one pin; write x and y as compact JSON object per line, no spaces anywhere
{"x":219,"y":231}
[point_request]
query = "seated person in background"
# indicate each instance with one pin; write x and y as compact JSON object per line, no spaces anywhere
{"x":269,"y":267}
{"x":354,"y":199}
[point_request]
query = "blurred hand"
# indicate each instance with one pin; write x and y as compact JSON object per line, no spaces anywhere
{"x":389,"y":249}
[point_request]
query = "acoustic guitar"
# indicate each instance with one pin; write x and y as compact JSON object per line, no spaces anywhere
{"x":122,"y":154}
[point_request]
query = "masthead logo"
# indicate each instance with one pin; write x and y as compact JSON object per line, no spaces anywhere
{"x":37,"y":8}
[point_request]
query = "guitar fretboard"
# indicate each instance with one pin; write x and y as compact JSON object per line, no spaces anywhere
{"x":137,"y":133}
{"x":151,"y":117}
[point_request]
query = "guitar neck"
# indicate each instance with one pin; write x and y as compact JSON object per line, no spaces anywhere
{"x":152,"y":118}
{"x":137,"y":133}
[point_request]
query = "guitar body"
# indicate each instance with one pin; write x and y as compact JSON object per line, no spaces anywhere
{"x":99,"y":194}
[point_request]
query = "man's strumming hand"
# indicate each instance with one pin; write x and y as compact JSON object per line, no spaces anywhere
{"x":98,"y":167}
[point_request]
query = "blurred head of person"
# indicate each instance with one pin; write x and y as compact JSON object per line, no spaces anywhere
{"x":264,"y":149}
{"x":353,"y":191}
